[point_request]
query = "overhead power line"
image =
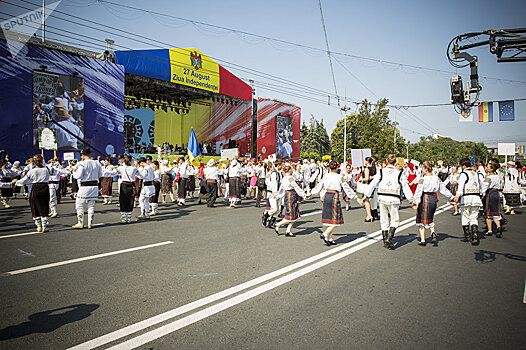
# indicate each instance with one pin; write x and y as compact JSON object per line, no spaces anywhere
{"x":290,"y":43}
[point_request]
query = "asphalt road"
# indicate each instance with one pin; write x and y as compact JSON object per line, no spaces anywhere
{"x":199,"y":278}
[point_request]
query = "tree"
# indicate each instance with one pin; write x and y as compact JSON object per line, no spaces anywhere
{"x":314,"y":138}
{"x":447,"y":150}
{"x":370,"y":128}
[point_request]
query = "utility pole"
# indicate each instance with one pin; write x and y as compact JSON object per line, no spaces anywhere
{"x":344,"y":109}
{"x":407,"y":151}
{"x":395,"y":124}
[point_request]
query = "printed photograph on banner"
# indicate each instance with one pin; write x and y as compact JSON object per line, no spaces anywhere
{"x":283,"y":136}
{"x":60,"y":98}
{"x":465,"y":116}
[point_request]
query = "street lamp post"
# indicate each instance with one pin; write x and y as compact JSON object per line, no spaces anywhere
{"x":345,"y":109}
{"x":395,"y":124}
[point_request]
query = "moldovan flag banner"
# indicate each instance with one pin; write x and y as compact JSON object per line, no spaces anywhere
{"x":465,"y":116}
{"x":485,"y":112}
{"x":520,"y":149}
{"x":506,"y":111}
{"x":193,"y":146}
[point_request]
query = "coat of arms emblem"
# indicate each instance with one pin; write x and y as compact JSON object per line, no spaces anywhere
{"x":195,"y":60}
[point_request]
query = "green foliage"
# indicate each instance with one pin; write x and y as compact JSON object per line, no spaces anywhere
{"x":369,"y":127}
{"x":314,"y":137}
{"x":311,"y":155}
{"x":447,"y":149}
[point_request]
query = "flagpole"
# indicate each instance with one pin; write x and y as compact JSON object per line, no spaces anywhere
{"x":43,"y":20}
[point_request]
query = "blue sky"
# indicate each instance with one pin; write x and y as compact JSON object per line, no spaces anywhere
{"x":410,"y":32}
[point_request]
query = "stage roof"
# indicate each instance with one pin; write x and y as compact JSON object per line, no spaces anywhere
{"x":188,"y":67}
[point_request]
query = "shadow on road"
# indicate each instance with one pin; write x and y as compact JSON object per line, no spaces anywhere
{"x":486,"y":256}
{"x":348,"y":237}
{"x":48,"y":321}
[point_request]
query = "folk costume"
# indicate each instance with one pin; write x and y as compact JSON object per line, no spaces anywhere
{"x":426,"y":198}
{"x":6,"y":186}
{"x":470,"y":203}
{"x":291,"y":193}
{"x":127,"y":175}
{"x":391,"y":184}
{"x":211,"y":173}
{"x":54,"y":182}
{"x":88,"y":173}
{"x":511,"y":191}
{"x":272,"y":209}
{"x":106,"y":187}
{"x":39,"y":196}
{"x":147,"y":175}
{"x":183,"y":173}
{"x":490,"y":191}
{"x":154,"y":200}
{"x":234,"y":185}
{"x":331,"y":185}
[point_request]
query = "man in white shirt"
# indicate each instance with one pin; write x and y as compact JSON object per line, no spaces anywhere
{"x":211,"y":176}
{"x":146,"y":173}
{"x":88,"y":172}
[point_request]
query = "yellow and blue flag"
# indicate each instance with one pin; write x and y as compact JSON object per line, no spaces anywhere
{"x":485,"y":112}
{"x":506,"y":111}
{"x":193,"y":146}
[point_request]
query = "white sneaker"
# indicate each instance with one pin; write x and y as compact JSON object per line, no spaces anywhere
{"x":78,"y":225}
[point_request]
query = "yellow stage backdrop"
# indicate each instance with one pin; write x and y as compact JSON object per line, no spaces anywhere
{"x":212,"y":121}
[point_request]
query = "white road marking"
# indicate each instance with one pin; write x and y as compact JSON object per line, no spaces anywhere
{"x":66,"y":262}
{"x":53,"y":230}
{"x":347,"y":248}
{"x":524,"y":298}
{"x":214,"y":309}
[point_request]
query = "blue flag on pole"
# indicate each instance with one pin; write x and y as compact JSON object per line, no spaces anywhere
{"x":472,"y":160}
{"x":506,"y":111}
{"x":193,"y":146}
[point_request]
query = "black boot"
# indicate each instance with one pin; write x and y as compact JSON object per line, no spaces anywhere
{"x":390,"y":244}
{"x":375,"y":215}
{"x":272,"y":222}
{"x":433,"y":237}
{"x":466,"y":233}
{"x":264,"y":219}
{"x":474,"y":234}
{"x":281,"y":213}
{"x":384,"y":236}
{"x":498,"y":232}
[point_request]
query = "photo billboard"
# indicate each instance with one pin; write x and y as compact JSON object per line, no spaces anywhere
{"x":59,"y":97}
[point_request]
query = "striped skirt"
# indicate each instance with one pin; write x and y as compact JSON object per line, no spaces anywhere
{"x":166,"y":183}
{"x":181,"y":189}
{"x":512,"y":199}
{"x":332,"y":210}
{"x":233,"y":188}
{"x":426,"y":209}
{"x":492,"y":203}
{"x":155,"y":197}
{"x":106,"y":186}
{"x":292,"y":206}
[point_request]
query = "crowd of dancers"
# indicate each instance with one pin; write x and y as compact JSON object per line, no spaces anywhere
{"x":493,"y":189}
